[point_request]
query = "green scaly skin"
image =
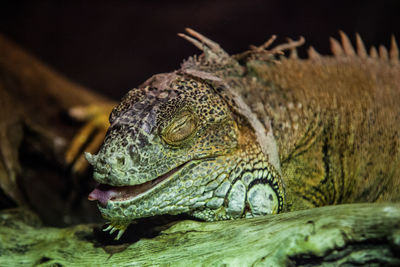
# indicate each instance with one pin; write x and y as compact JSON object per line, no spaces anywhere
{"x":236,"y":137}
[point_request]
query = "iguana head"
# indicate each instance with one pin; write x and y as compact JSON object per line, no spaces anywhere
{"x":180,"y":144}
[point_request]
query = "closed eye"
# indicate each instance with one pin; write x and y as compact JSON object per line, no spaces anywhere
{"x":180,"y":128}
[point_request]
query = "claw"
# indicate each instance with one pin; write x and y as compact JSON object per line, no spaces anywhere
{"x":120,"y":233}
{"x":113,"y":230}
{"x":108,"y":228}
{"x":114,"y":226}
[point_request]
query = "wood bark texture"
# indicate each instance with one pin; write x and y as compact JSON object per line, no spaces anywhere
{"x":350,"y":235}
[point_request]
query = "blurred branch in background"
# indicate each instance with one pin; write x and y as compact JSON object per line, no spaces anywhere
{"x":35,"y":132}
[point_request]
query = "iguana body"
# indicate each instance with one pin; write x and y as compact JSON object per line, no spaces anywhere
{"x":337,"y":125}
{"x":230,"y":137}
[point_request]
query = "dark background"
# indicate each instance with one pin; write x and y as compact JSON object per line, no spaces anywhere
{"x":112,"y":46}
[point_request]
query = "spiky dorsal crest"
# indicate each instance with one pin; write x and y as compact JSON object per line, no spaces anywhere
{"x":373,"y":53}
{"x":213,"y":60}
{"x":313,"y":54}
{"x":383,"y":53}
{"x":263,"y":53}
{"x":361,"y":51}
{"x":213,"y":53}
{"x":344,"y":48}
{"x":394,"y":51}
{"x":346,"y":44}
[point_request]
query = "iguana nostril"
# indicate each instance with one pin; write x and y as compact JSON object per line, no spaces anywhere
{"x":121,"y":160}
{"x":135,"y":157}
{"x":102,"y":166}
{"x":98,"y":163}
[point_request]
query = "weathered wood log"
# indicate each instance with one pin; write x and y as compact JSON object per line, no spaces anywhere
{"x":355,"y":234}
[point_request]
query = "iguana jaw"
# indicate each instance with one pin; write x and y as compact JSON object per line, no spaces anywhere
{"x":104,"y":192}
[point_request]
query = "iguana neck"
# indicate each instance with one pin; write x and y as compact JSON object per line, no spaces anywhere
{"x":248,"y":186}
{"x":294,"y":122}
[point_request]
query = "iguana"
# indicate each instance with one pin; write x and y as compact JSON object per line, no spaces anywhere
{"x":227,"y":137}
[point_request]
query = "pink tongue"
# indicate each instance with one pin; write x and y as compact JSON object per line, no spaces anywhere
{"x":102,"y":194}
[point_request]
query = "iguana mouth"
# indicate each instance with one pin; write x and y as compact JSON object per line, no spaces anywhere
{"x":104,"y":192}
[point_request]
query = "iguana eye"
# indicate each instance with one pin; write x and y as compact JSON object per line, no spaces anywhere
{"x":180,"y":128}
